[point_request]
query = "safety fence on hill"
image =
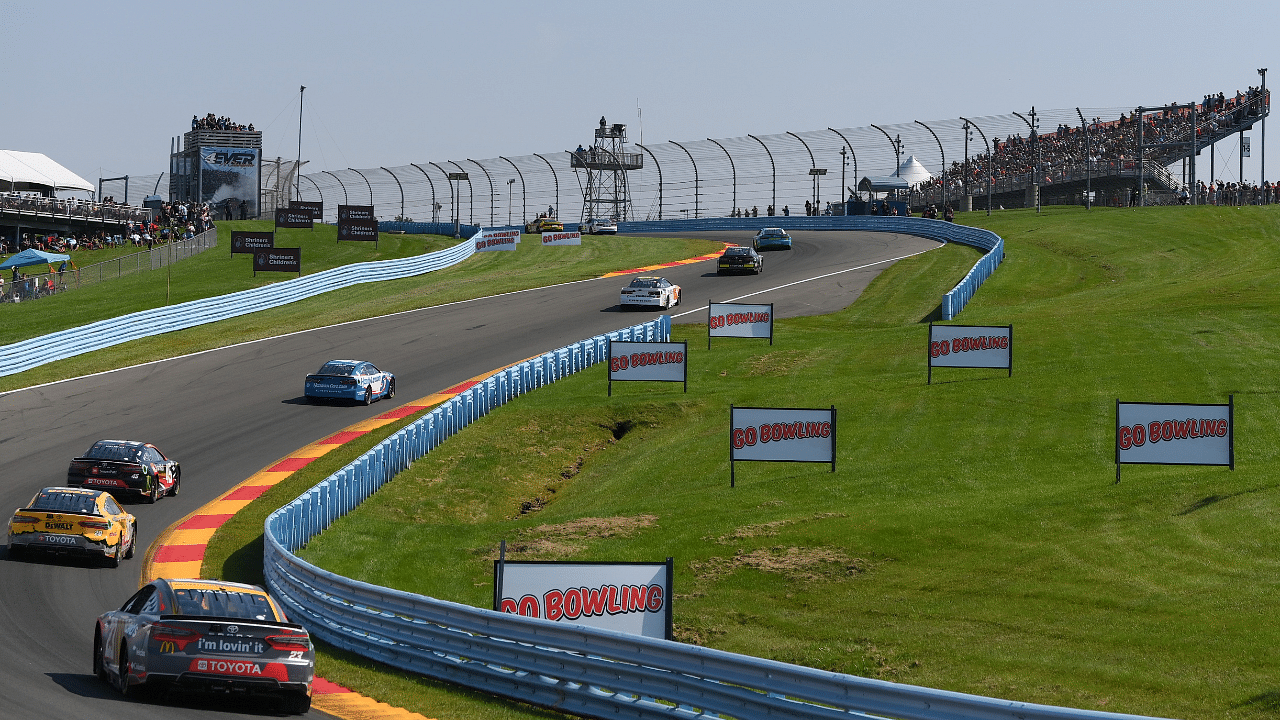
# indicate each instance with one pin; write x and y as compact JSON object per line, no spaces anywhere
{"x":573,"y":668}
{"x":27,"y":354}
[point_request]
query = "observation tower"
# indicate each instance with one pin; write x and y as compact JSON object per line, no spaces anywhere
{"x":606,"y":194}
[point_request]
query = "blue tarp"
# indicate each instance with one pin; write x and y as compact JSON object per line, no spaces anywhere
{"x":31,"y":256}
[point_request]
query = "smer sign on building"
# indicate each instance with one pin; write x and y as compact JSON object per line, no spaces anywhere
{"x":1174,"y":434}
{"x":491,"y":240}
{"x":781,"y":435}
{"x":626,"y":597}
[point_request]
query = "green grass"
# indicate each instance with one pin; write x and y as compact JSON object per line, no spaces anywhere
{"x":972,"y":538}
{"x":216,"y":272}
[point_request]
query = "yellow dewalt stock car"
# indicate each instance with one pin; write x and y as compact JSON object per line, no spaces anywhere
{"x":73,"y":521}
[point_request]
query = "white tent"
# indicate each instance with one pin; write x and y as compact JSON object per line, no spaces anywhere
{"x":912,"y":171}
{"x":22,"y":170}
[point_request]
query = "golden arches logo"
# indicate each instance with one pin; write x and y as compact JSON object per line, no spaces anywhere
{"x":168,"y":646}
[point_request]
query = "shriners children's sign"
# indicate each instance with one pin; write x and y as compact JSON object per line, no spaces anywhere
{"x":626,"y":597}
{"x":1175,"y":434}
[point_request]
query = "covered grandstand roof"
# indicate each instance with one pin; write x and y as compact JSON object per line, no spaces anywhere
{"x":28,"y":170}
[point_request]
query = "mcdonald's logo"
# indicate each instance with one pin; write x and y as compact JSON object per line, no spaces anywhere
{"x":168,"y":647}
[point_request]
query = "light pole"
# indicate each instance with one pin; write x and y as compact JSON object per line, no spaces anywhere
{"x":298,"y":182}
{"x":1262,"y":169}
{"x":844,"y":163}
{"x":510,"y":182}
{"x":457,"y":177}
{"x":817,"y":174}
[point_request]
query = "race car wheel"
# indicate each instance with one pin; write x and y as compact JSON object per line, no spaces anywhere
{"x":113,"y":560}
{"x":368,"y":395}
{"x":122,"y":678}
{"x":391,"y":389}
{"x":177,"y":483}
{"x":133,"y":539}
{"x":99,"y":667}
{"x":152,"y":491}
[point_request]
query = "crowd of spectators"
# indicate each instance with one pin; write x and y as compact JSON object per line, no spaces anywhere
{"x":1064,"y":152}
{"x":217,"y":122}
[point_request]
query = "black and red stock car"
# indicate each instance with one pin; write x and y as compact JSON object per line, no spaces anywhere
{"x":126,"y":467}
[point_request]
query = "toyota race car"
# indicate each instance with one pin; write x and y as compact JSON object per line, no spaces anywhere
{"x":543,"y":224}
{"x":650,"y":291}
{"x":126,"y":466}
{"x":738,"y":259}
{"x":73,"y":521}
{"x":599,"y":226}
{"x":205,"y":635}
{"x":350,"y":379}
{"x":772,"y":239}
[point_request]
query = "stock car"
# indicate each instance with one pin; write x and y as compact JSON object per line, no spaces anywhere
{"x":543,"y":224}
{"x":738,"y":259}
{"x":650,"y":291}
{"x":73,"y":521}
{"x":599,"y":226}
{"x":126,"y":466}
{"x":205,"y":635}
{"x":772,"y":239}
{"x":349,"y":379}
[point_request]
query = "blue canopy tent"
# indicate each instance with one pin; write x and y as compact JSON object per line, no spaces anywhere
{"x":31,"y":256}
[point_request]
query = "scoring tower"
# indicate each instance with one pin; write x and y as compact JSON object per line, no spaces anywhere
{"x":606,"y":194}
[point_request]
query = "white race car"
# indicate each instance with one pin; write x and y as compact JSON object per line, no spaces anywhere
{"x":599,"y":226}
{"x":650,"y":291}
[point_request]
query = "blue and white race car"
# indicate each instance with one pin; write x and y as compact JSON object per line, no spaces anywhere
{"x":350,"y":380}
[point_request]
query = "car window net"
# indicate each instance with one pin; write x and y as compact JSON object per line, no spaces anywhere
{"x":221,"y":603}
{"x":65,"y":502}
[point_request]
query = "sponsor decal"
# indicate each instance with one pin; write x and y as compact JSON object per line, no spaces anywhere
{"x":240,"y":668}
{"x":168,"y":646}
{"x":739,"y":320}
{"x":779,"y":432}
{"x":57,"y":526}
{"x":224,"y":645}
{"x":61,"y":539}
{"x":575,"y":603}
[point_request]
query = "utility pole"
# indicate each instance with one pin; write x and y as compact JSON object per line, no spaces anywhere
{"x":297,"y":191}
{"x":1265,"y":108}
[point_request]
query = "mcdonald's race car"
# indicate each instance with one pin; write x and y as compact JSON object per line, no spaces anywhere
{"x":739,"y":259}
{"x":650,"y":291}
{"x":349,"y":379}
{"x":73,"y":521}
{"x":205,"y":635}
{"x":126,"y":467}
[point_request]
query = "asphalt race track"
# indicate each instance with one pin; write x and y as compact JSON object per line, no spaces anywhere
{"x":228,"y":413}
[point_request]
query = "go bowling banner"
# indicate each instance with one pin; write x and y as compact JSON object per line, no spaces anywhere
{"x":561,"y":237}
{"x":970,"y":346}
{"x":627,"y":597}
{"x":652,"y":361}
{"x":491,"y":240}
{"x":739,"y":320}
{"x":1175,"y":434}
{"x":781,"y":435}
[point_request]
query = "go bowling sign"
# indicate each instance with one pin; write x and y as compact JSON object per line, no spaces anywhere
{"x":781,"y":435}
{"x":1175,"y":434}
{"x":652,"y":361}
{"x":970,"y":346}
{"x":739,"y":320}
{"x":627,"y":597}
{"x":491,"y":240}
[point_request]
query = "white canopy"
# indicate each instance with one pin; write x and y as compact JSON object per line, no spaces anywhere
{"x":30,"y":168}
{"x":912,"y":171}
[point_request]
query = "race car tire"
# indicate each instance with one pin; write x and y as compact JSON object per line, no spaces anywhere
{"x":177,"y":483}
{"x":122,"y":678}
{"x":151,"y":492}
{"x":368,"y":395}
{"x":295,"y":704}
{"x":133,"y":540}
{"x":391,"y":389}
{"x":99,"y":667}
{"x":113,"y":560}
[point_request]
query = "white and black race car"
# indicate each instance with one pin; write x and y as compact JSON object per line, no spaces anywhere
{"x":650,"y":291}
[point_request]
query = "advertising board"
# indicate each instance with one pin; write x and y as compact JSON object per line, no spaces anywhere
{"x":781,"y":435}
{"x":277,"y":260}
{"x":229,"y":181}
{"x":293,"y":218}
{"x":651,"y":361}
{"x":563,"y":237}
{"x":739,"y":320}
{"x":1175,"y":434}
{"x":970,"y":346}
{"x":315,"y":207}
{"x":245,"y":242}
{"x":358,"y":230}
{"x":490,"y":240}
{"x":626,"y":597}
{"x":355,"y":212}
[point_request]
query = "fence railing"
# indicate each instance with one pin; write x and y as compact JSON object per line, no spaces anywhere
{"x":39,"y":206}
{"x":573,"y":668}
{"x":27,"y":354}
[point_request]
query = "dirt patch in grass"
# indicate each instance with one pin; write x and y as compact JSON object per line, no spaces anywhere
{"x":553,"y":542}
{"x":769,"y":529}
{"x":779,"y":363}
{"x":796,"y":563}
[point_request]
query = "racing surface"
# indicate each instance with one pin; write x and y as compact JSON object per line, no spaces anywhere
{"x":226,"y":414}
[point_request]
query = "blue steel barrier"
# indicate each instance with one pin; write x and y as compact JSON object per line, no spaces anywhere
{"x":952,"y":303}
{"x":27,"y":354}
{"x":573,"y":668}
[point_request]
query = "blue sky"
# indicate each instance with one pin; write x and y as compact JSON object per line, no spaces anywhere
{"x":102,"y":87}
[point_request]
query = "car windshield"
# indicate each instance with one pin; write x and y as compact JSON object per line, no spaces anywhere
{"x":737,"y":251}
{"x":61,"y":501}
{"x":337,"y":368}
{"x":646,"y":283}
{"x":772,"y":233}
{"x":110,"y":450}
{"x":223,"y":603}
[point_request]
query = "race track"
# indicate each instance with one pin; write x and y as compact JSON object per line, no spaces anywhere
{"x":228,"y":413}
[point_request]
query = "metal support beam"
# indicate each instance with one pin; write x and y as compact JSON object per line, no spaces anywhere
{"x":434,"y":209}
{"x":944,"y":160}
{"x":524,"y":193}
{"x":772,"y":167}
{"x":345,"y":200}
{"x":732,"y":170}
{"x":851,"y":152}
{"x":452,"y":202}
{"x":486,"y":174}
{"x":471,"y":194}
{"x":393,"y":177}
{"x":366,"y":183}
{"x":695,"y":176}
{"x":659,"y":166}
{"x":991,"y":159}
{"x":554,"y":177}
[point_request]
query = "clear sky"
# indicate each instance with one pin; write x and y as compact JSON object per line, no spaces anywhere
{"x":102,"y":87}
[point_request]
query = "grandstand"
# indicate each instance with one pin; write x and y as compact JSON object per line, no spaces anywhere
{"x":713,"y":177}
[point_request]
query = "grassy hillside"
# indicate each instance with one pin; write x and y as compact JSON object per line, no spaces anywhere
{"x":973,"y":538}
{"x":216,"y":272}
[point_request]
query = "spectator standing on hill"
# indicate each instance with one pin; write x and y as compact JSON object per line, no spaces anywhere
{"x":754,"y":211}
{"x":786,"y":211}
